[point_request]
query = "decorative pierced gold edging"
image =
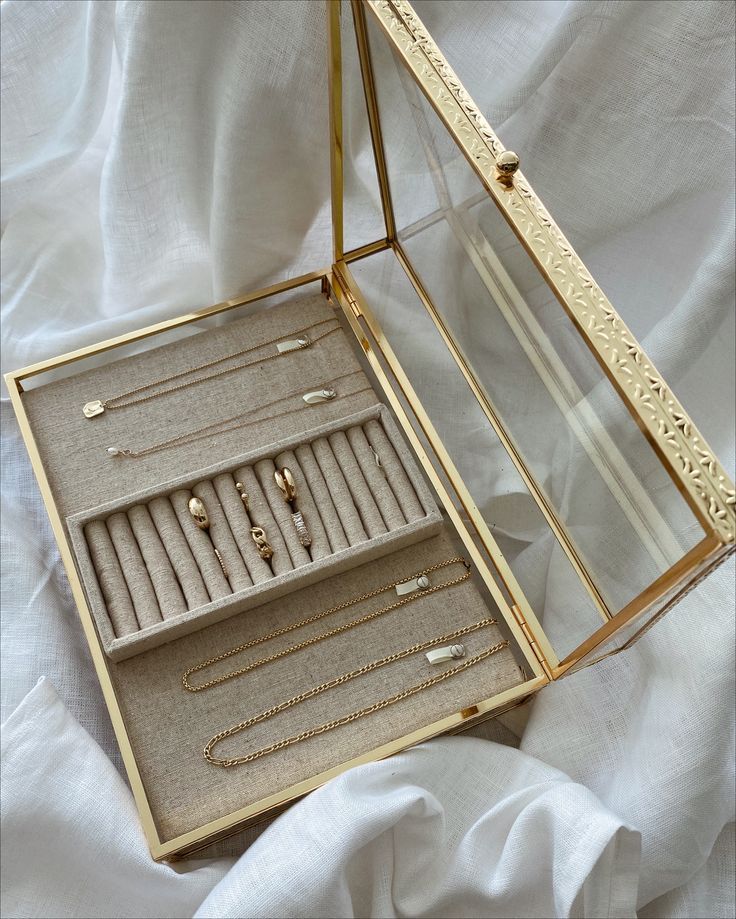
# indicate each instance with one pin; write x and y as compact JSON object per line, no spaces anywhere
{"x":657,"y":411}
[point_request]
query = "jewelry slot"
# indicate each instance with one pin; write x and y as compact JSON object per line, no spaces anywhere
{"x":179,"y":551}
{"x":282,"y":511}
{"x":134,"y":570}
{"x":361,"y":493}
{"x":370,"y":464}
{"x":110,"y":576}
{"x":319,"y":546}
{"x":339,"y":491}
{"x":322,"y":497}
{"x":261,"y":516}
{"x":395,"y":473}
{"x":222,"y":538}
{"x":165,"y":585}
{"x":201,"y":546}
{"x":240,"y":525}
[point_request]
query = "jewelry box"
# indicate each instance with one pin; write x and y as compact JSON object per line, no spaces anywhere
{"x":378,"y":502}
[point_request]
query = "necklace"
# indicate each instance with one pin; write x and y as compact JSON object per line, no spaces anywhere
{"x":328,"y":393}
{"x":136,"y":396}
{"x":402,"y":601}
{"x":355,"y":715}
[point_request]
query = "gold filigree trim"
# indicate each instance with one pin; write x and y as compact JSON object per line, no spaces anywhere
{"x":658,"y":411}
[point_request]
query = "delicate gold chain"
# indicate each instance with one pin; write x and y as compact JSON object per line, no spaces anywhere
{"x":353,"y":716}
{"x":115,"y":402}
{"x":408,"y":598}
{"x":235,"y":423}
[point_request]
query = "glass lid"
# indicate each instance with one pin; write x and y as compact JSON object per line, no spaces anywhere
{"x":573,"y":465}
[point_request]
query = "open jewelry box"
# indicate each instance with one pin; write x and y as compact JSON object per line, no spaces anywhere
{"x":490,"y":470}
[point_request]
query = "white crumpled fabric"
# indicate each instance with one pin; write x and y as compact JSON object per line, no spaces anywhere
{"x":141,"y":177}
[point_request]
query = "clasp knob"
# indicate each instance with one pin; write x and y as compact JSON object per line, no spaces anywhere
{"x":507,"y":164}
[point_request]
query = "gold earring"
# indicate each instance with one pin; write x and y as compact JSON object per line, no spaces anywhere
{"x":243,"y":494}
{"x":285,"y":481}
{"x":265,"y":549}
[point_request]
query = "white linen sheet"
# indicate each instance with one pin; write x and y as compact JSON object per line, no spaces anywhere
{"x":138,"y":159}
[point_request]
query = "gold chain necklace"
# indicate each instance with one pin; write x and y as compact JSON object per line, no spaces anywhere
{"x":124,"y":400}
{"x":402,"y":601}
{"x":355,"y":715}
{"x":236,"y":422}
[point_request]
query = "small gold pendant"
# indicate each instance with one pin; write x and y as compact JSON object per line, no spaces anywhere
{"x":93,"y":408}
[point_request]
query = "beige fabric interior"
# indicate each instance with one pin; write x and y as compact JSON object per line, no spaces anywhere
{"x":169,"y":726}
{"x":378,"y":522}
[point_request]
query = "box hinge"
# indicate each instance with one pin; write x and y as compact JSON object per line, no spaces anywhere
{"x":528,"y":634}
{"x":352,"y":302}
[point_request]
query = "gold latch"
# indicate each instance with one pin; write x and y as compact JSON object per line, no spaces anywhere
{"x":519,"y":616}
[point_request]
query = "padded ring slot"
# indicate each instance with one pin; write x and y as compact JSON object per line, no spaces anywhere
{"x":136,"y":575}
{"x":320,"y":545}
{"x":111,"y":579}
{"x":179,"y":552}
{"x":395,"y":472}
{"x":392,"y":514}
{"x":338,"y":487}
{"x":364,"y":500}
{"x":262,"y":516}
{"x":201,"y":546}
{"x":240,"y":524}
{"x":166,"y":587}
{"x":321,"y":495}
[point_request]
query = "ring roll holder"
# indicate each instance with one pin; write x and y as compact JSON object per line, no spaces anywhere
{"x":151,"y":574}
{"x":319,"y":546}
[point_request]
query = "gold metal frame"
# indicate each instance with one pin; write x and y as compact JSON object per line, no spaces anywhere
{"x":228,"y":824}
{"x":668,"y":427}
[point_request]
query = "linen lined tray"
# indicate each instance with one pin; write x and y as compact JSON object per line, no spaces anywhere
{"x":151,"y":575}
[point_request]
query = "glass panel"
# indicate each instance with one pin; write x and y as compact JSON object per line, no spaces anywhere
{"x":518,"y":526}
{"x":362,"y":213}
{"x":619,"y":515}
